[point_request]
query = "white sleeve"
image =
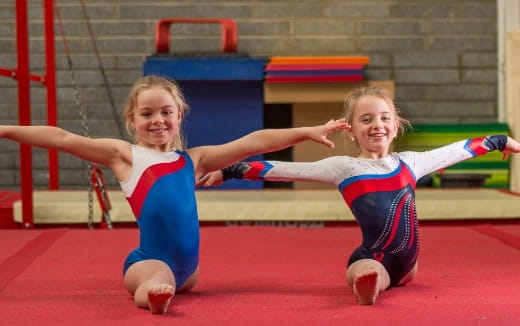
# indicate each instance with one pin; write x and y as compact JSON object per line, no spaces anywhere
{"x":423,"y":163}
{"x":329,"y":170}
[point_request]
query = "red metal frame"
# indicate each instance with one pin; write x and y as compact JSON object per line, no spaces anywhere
{"x":24,"y":110}
{"x":22,"y":75}
{"x":162,"y":32}
{"x":50,"y":84}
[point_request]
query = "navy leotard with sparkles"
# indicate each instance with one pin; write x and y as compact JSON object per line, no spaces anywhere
{"x":161,"y":193}
{"x":390,"y":235}
{"x":380,"y":194}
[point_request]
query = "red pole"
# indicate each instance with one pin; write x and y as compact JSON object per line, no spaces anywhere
{"x":50,"y":84}
{"x":24,"y":110}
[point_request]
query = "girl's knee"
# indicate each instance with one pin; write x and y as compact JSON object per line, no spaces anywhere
{"x":410,"y":276}
{"x":190,"y":282}
{"x":147,"y":272}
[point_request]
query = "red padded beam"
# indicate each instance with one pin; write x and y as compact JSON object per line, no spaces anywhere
{"x":162,"y":32}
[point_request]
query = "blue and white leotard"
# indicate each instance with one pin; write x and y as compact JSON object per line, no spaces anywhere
{"x":380,"y":194}
{"x":161,"y":193}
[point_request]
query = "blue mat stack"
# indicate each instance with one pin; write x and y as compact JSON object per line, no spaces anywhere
{"x":225,"y":94}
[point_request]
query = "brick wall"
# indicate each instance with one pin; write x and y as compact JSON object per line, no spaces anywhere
{"x":442,"y":55}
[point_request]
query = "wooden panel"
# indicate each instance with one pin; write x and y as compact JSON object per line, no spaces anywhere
{"x":315,"y":92}
{"x":309,"y":114}
{"x":71,"y":207}
{"x":513,"y":101}
{"x":313,"y":104}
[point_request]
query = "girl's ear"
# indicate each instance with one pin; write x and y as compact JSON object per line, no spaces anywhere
{"x":131,"y":122}
{"x":397,"y":126}
{"x":350,"y":134}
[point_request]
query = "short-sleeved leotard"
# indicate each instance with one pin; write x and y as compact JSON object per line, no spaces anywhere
{"x":380,"y":194}
{"x":161,"y":193}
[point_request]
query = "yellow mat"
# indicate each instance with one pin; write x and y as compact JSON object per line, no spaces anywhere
{"x":58,"y":207}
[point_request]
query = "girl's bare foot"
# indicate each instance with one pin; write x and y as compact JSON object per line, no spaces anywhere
{"x":159,"y":297}
{"x":365,"y":287}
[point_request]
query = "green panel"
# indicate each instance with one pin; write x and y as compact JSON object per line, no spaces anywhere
{"x":427,"y":137}
{"x":427,"y":141}
{"x":475,"y":163}
{"x":497,"y":179}
{"x":500,"y":128}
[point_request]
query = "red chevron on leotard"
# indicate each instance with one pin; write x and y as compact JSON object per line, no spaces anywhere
{"x":397,"y":217}
{"x":379,"y":183}
{"x":148,"y":178}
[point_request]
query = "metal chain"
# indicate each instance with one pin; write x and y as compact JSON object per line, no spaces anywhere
{"x":103,"y":197}
{"x":106,"y":84}
{"x":86,"y":133}
{"x":83,"y":117}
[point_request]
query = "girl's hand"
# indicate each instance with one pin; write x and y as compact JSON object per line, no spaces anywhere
{"x":319,"y":133}
{"x":211,"y":179}
{"x":512,"y":146}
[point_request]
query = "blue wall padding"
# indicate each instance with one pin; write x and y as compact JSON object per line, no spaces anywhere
{"x":222,"y":108}
{"x":207,"y":68}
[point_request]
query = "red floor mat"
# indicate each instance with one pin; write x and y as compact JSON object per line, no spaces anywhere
{"x":259,"y":276}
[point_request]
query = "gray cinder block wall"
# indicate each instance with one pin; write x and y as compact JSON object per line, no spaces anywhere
{"x":442,"y":55}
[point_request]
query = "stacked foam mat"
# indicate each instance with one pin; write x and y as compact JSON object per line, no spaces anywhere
{"x":316,"y":69}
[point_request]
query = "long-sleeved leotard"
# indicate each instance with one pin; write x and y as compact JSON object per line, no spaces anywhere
{"x":379,"y":192}
{"x":161,"y":193}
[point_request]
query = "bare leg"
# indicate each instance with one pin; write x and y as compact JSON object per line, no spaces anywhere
{"x":368,"y":278}
{"x":152,"y":284}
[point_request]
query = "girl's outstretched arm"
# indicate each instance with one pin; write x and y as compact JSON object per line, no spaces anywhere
{"x":422,"y":162}
{"x":108,"y":152}
{"x":330,"y":170}
{"x":211,"y":158}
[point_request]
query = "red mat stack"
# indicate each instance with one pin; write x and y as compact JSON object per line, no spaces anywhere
{"x":316,"y":69}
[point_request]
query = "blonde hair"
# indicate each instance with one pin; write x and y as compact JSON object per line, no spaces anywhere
{"x":149,"y":82}
{"x":353,"y":97}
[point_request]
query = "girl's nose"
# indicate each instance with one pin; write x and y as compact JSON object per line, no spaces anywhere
{"x":158,"y":118}
{"x":378,"y":123}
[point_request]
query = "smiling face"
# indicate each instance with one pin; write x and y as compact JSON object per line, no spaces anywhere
{"x":156,"y":119}
{"x":374,"y":126}
{"x":154,"y":110}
